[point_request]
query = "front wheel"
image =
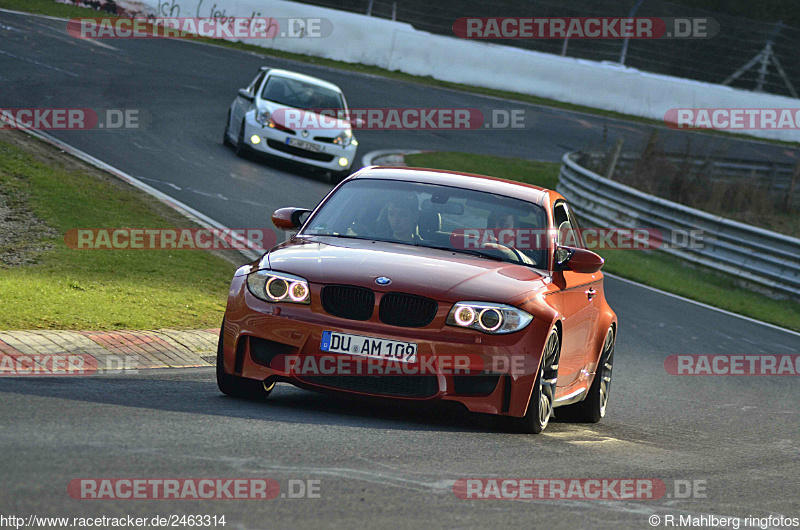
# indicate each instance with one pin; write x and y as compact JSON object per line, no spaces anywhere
{"x":540,"y":408}
{"x":593,"y":407}
{"x":225,"y":140}
{"x":242,"y":149}
{"x":235,"y":386}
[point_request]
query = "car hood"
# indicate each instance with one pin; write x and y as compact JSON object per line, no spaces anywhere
{"x":305,"y":119}
{"x":439,"y":274}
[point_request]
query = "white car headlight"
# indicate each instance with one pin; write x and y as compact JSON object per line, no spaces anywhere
{"x":263,"y":117}
{"x":344,"y":138}
{"x":488,"y":317}
{"x":278,"y":287}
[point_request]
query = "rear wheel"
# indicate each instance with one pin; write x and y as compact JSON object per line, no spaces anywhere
{"x":593,"y":407}
{"x":540,"y":408}
{"x":235,"y":386}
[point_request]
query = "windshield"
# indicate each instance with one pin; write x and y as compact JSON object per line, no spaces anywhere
{"x":429,"y":215}
{"x":301,"y":95}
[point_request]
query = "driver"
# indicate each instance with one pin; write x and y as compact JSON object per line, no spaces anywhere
{"x":403,"y":213}
{"x":307,"y":96}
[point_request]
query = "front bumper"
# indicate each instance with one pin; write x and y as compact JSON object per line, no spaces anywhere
{"x":272,"y":142}
{"x":271,"y":341}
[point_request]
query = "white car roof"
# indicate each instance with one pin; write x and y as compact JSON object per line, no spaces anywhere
{"x":305,"y":78}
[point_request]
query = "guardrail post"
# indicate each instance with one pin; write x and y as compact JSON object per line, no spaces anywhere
{"x":612,"y":164}
{"x":792,"y":185}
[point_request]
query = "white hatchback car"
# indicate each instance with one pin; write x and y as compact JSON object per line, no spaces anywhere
{"x":295,"y":117}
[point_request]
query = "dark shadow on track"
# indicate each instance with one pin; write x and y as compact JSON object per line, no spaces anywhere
{"x":287,"y":404}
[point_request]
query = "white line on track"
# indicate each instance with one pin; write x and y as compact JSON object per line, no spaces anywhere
{"x":701,"y":304}
{"x":37,"y":63}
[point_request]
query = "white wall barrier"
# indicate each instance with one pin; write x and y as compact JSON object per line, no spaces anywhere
{"x":398,"y":46}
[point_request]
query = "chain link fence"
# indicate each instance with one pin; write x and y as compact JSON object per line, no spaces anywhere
{"x":745,"y":53}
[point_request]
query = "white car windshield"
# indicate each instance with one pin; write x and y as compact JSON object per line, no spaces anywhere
{"x":301,"y":95}
{"x":429,"y":215}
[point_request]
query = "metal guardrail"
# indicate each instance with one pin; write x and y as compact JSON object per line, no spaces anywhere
{"x":751,"y":254}
{"x":775,"y":178}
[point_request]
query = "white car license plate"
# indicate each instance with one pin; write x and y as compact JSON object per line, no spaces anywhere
{"x":389,"y":350}
{"x":308,"y":146}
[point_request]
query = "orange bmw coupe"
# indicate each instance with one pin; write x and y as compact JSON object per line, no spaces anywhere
{"x":417,"y":284}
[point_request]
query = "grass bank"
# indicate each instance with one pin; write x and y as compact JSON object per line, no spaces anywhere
{"x":46,"y":285}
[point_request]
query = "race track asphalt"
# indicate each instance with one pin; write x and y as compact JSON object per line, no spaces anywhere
{"x":379,"y":464}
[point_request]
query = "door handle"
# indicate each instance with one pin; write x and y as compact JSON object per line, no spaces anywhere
{"x":590,"y":293}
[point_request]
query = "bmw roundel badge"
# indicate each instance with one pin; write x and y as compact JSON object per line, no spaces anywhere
{"x":383,"y":280}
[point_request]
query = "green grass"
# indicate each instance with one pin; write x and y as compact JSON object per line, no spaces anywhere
{"x":652,"y":268}
{"x":669,"y":273}
{"x":544,"y":174}
{"x":49,"y":7}
{"x":102,"y":289}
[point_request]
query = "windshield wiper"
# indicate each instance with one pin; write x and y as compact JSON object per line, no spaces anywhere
{"x":469,"y":251}
{"x":343,"y":236}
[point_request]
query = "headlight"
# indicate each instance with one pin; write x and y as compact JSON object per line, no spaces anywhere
{"x":278,"y":287}
{"x":488,"y":317}
{"x":263,"y":117}
{"x":344,"y":138}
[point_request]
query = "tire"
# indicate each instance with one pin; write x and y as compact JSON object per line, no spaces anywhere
{"x":242,"y":149}
{"x":593,"y":408}
{"x":540,"y":408}
{"x":235,"y":386}
{"x":225,"y":140}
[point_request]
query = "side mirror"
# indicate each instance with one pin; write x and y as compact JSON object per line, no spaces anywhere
{"x":358,"y":123}
{"x":578,"y":260}
{"x":288,"y":218}
{"x":244,"y":93}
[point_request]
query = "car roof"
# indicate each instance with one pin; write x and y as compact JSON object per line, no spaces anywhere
{"x":302,"y":77}
{"x":499,"y":186}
